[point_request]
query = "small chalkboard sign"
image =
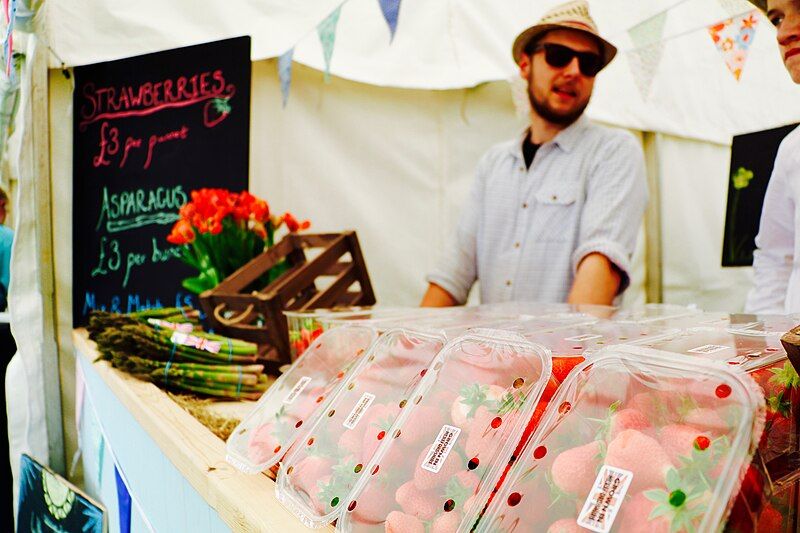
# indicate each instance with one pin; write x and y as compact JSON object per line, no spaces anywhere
{"x":147,"y":131}
{"x":752,"y":160}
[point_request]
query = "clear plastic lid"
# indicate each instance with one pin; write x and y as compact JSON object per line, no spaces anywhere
{"x":696,"y":320}
{"x":635,"y":440}
{"x":575,"y":341}
{"x":451,"y":445}
{"x":528,"y":324}
{"x":749,"y":350}
{"x":766,"y":324}
{"x":652,"y":312}
{"x":264,"y":435}
{"x":320,"y":471}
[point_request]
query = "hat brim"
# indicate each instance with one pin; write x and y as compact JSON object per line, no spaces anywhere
{"x":608,"y":50}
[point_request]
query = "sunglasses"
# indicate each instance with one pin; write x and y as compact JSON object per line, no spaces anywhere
{"x":559,"y":56}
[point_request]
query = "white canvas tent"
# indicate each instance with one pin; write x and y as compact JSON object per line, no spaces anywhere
{"x":390,"y":144}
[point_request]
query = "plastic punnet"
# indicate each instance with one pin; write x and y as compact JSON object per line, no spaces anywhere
{"x":767,"y":324}
{"x":575,"y":341}
{"x":635,"y":440}
{"x":450,"y":448}
{"x":267,"y":432}
{"x":653,"y":312}
{"x":329,"y":457}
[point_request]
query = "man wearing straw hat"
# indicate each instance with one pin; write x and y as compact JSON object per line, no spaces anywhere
{"x":553,"y":215}
{"x":776,"y":262}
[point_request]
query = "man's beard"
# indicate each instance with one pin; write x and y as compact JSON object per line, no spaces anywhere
{"x":550,"y":115}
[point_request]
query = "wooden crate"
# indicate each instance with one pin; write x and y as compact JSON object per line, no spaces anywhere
{"x":239,"y":307}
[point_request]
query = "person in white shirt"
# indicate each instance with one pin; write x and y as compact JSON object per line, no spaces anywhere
{"x":776,"y":262}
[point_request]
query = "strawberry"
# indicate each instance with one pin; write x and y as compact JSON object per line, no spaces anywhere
{"x":770,"y":520}
{"x":262,"y":443}
{"x":627,"y":419}
{"x":351,"y":441}
{"x":309,"y":472}
{"x":564,"y":365}
{"x":708,"y":420}
{"x":574,"y":470}
{"x":446,"y":523}
{"x":533,"y":423}
{"x":372,"y":505}
{"x":427,"y":480}
{"x":420,"y":503}
{"x":471,"y":398}
{"x":376,"y":430}
{"x":635,"y":516}
{"x":565,"y":525}
{"x":678,"y":441}
{"x":422,"y":426}
{"x":642,"y":455}
{"x":550,"y":389}
{"x":398,"y":522}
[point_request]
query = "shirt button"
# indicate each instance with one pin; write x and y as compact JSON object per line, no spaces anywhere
{"x":508,"y":283}
{"x":524,"y":205}
{"x":516,"y":245}
{"x":521,"y":168}
{"x":554,"y":198}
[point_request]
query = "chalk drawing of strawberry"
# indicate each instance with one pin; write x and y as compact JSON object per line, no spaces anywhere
{"x":215,"y":111}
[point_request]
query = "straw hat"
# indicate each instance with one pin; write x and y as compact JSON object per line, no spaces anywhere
{"x":572,"y":16}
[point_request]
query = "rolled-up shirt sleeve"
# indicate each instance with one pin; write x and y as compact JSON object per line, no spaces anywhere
{"x":616,"y":198}
{"x":457,"y":268}
{"x":773,"y":258}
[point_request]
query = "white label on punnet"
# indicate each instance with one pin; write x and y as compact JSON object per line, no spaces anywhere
{"x":297,"y":389}
{"x":441,"y":448}
{"x":358,"y":410}
{"x":708,"y":349}
{"x":605,"y":499}
{"x":583,"y":338}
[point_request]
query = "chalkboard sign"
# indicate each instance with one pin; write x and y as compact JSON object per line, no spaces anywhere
{"x":752,"y":160}
{"x":147,"y":131}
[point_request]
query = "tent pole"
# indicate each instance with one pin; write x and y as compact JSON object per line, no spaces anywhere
{"x":40,"y":135}
{"x":654,"y":280}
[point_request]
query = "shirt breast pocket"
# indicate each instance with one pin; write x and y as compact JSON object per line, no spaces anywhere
{"x":556,"y":214}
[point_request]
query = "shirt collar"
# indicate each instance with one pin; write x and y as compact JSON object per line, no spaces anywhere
{"x":566,"y":139}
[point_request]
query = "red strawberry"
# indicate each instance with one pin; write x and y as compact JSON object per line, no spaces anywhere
{"x":633,"y":450}
{"x":575,"y":470}
{"x":427,"y":480}
{"x":533,"y":423}
{"x":550,"y":389}
{"x":678,"y":440}
{"x":372,"y":504}
{"x":473,"y":397}
{"x":562,"y":366}
{"x":627,"y":419}
{"x":635,"y":516}
{"x":215,"y":111}
{"x":486,"y":433}
{"x":351,"y":441}
{"x":446,"y":523}
{"x":565,"y":525}
{"x":708,"y":420}
{"x":263,"y":443}
{"x":423,"y":425}
{"x":398,"y":522}
{"x":770,"y":520}
{"x":376,"y":430}
{"x":420,"y":503}
{"x":308,"y":473}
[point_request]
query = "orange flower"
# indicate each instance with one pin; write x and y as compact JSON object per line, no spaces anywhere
{"x":182,"y":233}
{"x":293,"y":224}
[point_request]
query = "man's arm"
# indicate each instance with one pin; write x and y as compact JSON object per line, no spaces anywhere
{"x":773,"y":260}
{"x":436,"y":296}
{"x":596,"y":281}
{"x":616,"y":197}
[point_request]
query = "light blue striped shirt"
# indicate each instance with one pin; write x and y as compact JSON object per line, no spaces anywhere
{"x":523,"y":232}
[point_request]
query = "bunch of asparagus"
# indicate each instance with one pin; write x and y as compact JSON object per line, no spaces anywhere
{"x":145,"y":348}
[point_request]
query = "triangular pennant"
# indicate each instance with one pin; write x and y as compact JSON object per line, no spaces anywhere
{"x":285,"y":74}
{"x":733,"y":38}
{"x":734,"y":7}
{"x":101,"y":457}
{"x":124,"y":503}
{"x":390,"y":9}
{"x":327,"y":37}
{"x":10,"y":8}
{"x":644,"y":59}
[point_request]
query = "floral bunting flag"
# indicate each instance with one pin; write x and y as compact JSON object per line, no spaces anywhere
{"x":390,"y":9}
{"x":733,"y":38}
{"x":285,"y":73}
{"x":646,"y":54}
{"x":327,"y":37}
{"x":123,"y":503}
{"x":10,"y":8}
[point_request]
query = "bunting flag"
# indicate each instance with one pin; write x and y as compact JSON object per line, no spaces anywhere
{"x":123,"y":503}
{"x":645,"y":57}
{"x":733,"y":38}
{"x":10,"y":9}
{"x":327,"y":37}
{"x":735,"y":7}
{"x":285,"y":73}
{"x":390,"y":9}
